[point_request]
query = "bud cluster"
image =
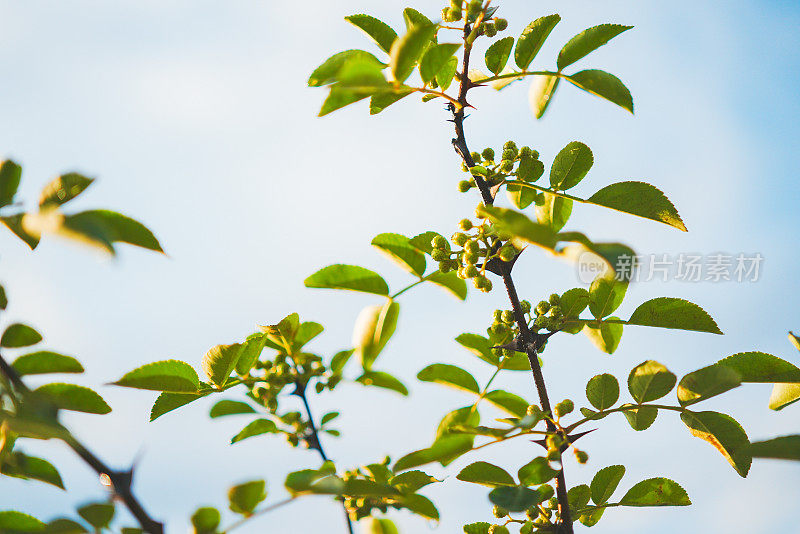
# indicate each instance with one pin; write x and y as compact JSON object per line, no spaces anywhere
{"x":359,"y":507}
{"x":455,"y":12}
{"x":522,"y":162}
{"x":549,"y":314}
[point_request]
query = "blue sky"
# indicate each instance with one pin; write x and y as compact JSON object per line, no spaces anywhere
{"x":195,"y":118}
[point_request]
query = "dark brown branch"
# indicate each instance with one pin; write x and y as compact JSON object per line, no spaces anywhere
{"x":460,"y":145}
{"x":120,"y":481}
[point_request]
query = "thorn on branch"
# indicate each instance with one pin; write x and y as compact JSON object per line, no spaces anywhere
{"x":572,"y":438}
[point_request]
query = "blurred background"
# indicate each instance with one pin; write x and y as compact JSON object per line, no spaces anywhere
{"x":196,"y":119}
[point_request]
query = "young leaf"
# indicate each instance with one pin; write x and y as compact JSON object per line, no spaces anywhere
{"x":230,"y":407}
{"x":166,"y":402}
{"x":532,"y":39}
{"x":759,"y":367}
{"x":443,"y":450}
{"x":554,"y":212}
{"x":498,"y":53}
{"x":479,"y":346}
{"x":244,"y":498}
{"x":486,"y":474}
{"x":43,"y":362}
{"x":256,"y":428}
{"x":782,"y":448}
{"x":446,"y":74}
{"x":541,"y":93}
{"x":75,"y":398}
{"x":783,"y":395}
{"x":328,"y":71}
{"x":449,"y":375}
{"x":219,"y":362}
{"x":669,"y":312}
{"x":535,"y":472}
{"x":14,"y":223}
{"x":399,"y":248}
{"x":602,"y":391}
{"x":19,"y":335}
{"x":649,"y":381}
{"x":408,"y":49}
{"x":725,"y":434}
{"x":513,"y":404}
{"x":206,"y":520}
{"x":605,"y":482}
{"x":640,"y":418}
{"x":20,"y":465}
{"x":13,"y":522}
{"x":169,"y":375}
{"x":63,"y":189}
{"x":656,"y":492}
{"x":384,"y":380}
{"x":570,"y":166}
{"x":450,"y":282}
{"x":588,"y":41}
{"x":514,"y":498}
{"x":10,"y":176}
{"x":604,"y":85}
{"x":706,"y":383}
{"x":350,"y":277}
{"x":606,"y":337}
{"x":411,"y":481}
{"x":605,"y":295}
{"x":373,"y":330}
{"x":106,"y":226}
{"x":99,"y":515}
{"x":379,"y":31}
{"x":640,"y":199}
{"x":435,"y":59}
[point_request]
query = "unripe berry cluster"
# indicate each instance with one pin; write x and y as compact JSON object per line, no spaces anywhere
{"x":476,"y":244}
{"x":549,"y":314}
{"x":360,"y":507}
{"x":523,"y":162}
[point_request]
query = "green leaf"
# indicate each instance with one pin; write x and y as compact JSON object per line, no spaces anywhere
{"x":367,"y":488}
{"x":532,"y":39}
{"x":373,"y":330}
{"x":20,"y":465}
{"x":328,"y":71}
{"x":75,"y":398}
{"x":706,"y":383}
{"x":497,"y":55}
{"x":521,"y":196}
{"x":350,"y":277}
{"x":19,"y":335}
{"x":328,"y":417}
{"x":535,"y":472}
{"x":106,"y":226}
{"x":420,"y":505}
{"x":640,"y":199}
{"x":256,"y":428}
{"x":479,"y":346}
{"x":513,"y":404}
{"x":3,"y":298}
{"x":244,"y":498}
{"x":606,"y":295}
{"x":656,"y":492}
{"x":206,"y":520}
{"x":449,"y":375}
{"x":574,"y":301}
{"x":399,"y":248}
{"x":446,"y":74}
{"x":570,"y":165}
{"x":408,"y":49}
{"x":435,"y":59}
{"x":649,"y":381}
{"x":230,"y":407}
{"x":605,"y":482}
{"x":65,"y":526}
{"x":451,"y":282}
{"x":606,"y":337}
{"x":588,"y":41}
{"x":520,"y":226}
{"x":604,"y":85}
{"x":381,"y":526}
{"x":43,"y":362}
{"x":443,"y":450}
{"x":99,"y":515}
{"x":168,"y":375}
{"x":14,"y":223}
{"x":578,"y":496}
{"x":782,"y":448}
{"x":514,"y":498}
{"x":340,"y":359}
{"x":640,"y":418}
{"x":543,"y":88}
{"x":669,"y":312}
{"x":166,"y":402}
{"x":249,"y":353}
{"x":63,"y":189}
{"x":384,"y":380}
{"x":591,"y":517}
{"x":486,"y":474}
{"x":10,"y":176}
{"x":384,"y":99}
{"x":362,"y":75}
{"x":783,"y":395}
{"x":602,"y":391}
{"x":618,"y":258}
{"x":340,"y":96}
{"x":379,"y":31}
{"x":219,"y":362}
{"x":11,"y":522}
{"x":411,"y":481}
{"x":554,"y":212}
{"x":413,"y":17}
{"x":477,"y":528}
{"x":423,"y":241}
{"x":725,"y":434}
{"x":759,"y":367}
{"x":313,"y":481}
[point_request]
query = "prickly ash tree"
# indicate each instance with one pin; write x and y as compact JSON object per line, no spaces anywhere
{"x":279,"y":375}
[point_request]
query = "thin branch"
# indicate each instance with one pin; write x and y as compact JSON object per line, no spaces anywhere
{"x":262,"y":511}
{"x":119,"y":481}
{"x":460,"y":144}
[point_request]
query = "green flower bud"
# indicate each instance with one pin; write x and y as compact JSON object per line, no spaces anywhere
{"x":459,"y":239}
{"x":532,"y":513}
{"x":552,"y":502}
{"x":507,"y":253}
{"x":555,"y":299}
{"x":465,"y":224}
{"x":525,"y":152}
{"x":563,"y":408}
{"x":488,"y":153}
{"x":446,"y":14}
{"x":499,"y":512}
{"x":581,"y":456}
{"x":464,"y":186}
{"x":554,"y":455}
{"x":470,"y":271}
{"x":507,"y":166}
{"x":546,"y":491}
{"x":543,"y":307}
{"x":469,"y":258}
{"x":533,"y":409}
{"x":456,"y":4}
{"x":489,"y":29}
{"x":526,"y":306}
{"x":498,"y":529}
{"x":439,"y":255}
{"x":508,"y":316}
{"x":476,"y":157}
{"x":509,"y":154}
{"x":439,"y":242}
{"x":455,"y":14}
{"x":460,"y":273}
{"x":508,"y":353}
{"x":479,"y":213}
{"x":464,"y":167}
{"x":510,"y":145}
{"x":498,"y":316}
{"x":500,"y":24}
{"x":444,"y":266}
{"x":472,"y":246}
{"x":555,"y":312}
